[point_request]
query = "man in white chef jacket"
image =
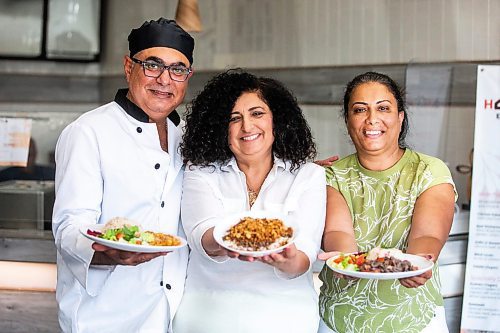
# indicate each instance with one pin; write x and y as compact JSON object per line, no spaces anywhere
{"x":122,"y":160}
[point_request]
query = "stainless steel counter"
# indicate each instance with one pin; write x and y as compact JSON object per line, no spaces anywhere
{"x":27,"y":245}
{"x":26,"y":204}
{"x":25,"y":221}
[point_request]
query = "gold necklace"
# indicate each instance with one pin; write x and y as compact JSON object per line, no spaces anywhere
{"x":252,"y":196}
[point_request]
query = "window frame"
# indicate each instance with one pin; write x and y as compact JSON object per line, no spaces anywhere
{"x":44,"y":41}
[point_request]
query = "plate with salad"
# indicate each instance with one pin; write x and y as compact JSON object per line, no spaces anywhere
{"x":121,"y":235}
{"x":378,"y":263}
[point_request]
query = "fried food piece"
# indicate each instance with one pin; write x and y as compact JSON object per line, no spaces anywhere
{"x":161,"y":239}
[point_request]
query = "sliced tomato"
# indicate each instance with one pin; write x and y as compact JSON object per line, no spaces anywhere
{"x":339,"y":259}
{"x":360,"y":260}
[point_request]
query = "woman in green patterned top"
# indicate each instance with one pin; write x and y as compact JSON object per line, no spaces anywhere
{"x":389,"y":196}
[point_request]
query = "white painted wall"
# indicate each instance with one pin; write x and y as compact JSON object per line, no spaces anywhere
{"x":295,"y":33}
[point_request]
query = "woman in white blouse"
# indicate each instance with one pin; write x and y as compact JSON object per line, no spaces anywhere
{"x":248,"y":147}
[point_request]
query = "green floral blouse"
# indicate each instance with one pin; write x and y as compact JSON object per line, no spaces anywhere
{"x":381,"y":205}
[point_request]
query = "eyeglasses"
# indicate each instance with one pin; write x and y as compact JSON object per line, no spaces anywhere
{"x":176,"y":72}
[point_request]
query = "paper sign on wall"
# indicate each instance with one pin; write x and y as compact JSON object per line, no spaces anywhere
{"x":14,"y":141}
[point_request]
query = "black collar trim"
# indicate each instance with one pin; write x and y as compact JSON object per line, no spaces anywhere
{"x":136,"y":112}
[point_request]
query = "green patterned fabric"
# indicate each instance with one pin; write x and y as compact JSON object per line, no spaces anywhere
{"x":381,"y":205}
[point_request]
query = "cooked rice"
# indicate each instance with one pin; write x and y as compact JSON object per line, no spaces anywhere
{"x":118,"y":222}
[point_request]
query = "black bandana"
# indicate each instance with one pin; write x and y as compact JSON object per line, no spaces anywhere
{"x":161,"y":33}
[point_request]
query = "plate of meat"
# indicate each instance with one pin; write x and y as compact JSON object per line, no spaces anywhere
{"x":382,"y":264}
{"x":254,"y":233}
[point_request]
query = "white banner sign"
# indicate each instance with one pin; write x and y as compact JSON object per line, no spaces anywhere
{"x":14,"y":141}
{"x":481,"y":300}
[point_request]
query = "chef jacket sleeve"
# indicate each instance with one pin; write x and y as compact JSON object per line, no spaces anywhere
{"x":79,"y":189}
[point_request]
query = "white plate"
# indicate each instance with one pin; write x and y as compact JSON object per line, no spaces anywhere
{"x":127,"y":246}
{"x":423,"y":266}
{"x":225,"y":224}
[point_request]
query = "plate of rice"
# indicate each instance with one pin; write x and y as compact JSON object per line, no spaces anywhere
{"x":123,"y":234}
{"x":255,"y":233}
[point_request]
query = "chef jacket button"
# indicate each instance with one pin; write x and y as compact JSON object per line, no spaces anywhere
{"x":139,"y":130}
{"x":161,"y":283}
{"x":162,"y":204}
{"x":168,"y":286}
{"x":157,"y":166}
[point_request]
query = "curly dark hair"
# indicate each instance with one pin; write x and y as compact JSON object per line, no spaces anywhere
{"x":392,"y":86}
{"x":205,"y":141}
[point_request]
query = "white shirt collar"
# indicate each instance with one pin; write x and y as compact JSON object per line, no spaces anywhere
{"x":278,"y":163}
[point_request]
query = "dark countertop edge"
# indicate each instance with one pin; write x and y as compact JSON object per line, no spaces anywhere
{"x":27,"y":234}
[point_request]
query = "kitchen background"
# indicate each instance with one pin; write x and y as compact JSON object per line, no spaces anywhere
{"x":431,"y":47}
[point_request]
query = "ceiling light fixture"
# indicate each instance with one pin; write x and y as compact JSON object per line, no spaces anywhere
{"x":187,"y":15}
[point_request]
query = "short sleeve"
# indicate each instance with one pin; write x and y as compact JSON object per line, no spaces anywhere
{"x":331,"y":179}
{"x":436,"y":173}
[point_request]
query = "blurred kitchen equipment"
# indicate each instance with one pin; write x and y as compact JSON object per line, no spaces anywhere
{"x":26,"y":204}
{"x":467,"y":170}
{"x":188,"y":15}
